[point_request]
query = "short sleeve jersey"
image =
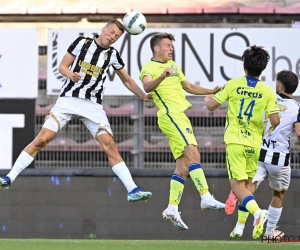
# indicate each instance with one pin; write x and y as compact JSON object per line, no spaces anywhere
{"x":248,"y":100}
{"x":169,"y":96}
{"x":276,"y":142}
{"x":92,"y":62}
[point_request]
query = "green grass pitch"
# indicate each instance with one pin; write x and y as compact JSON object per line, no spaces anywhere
{"x":47,"y":244}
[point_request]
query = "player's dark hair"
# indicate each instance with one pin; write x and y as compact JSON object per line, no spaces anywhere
{"x":155,"y":39}
{"x":289,"y":80}
{"x":118,"y":23}
{"x":255,"y":60}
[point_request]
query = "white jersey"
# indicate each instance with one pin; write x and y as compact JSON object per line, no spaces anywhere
{"x":276,"y":142}
{"x":92,"y":62}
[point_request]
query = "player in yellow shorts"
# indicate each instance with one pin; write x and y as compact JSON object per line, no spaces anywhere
{"x":274,"y":159}
{"x":184,"y":133}
{"x":163,"y":78}
{"x":248,"y":99}
{"x":242,"y":161}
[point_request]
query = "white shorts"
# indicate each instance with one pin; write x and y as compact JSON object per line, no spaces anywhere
{"x":279,"y":176}
{"x":68,"y":108}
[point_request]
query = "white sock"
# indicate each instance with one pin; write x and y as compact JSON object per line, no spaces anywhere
{"x":206,"y":196}
{"x":273,"y":219}
{"x":240,"y":225}
{"x":122,"y":171}
{"x":173,"y":208}
{"x":23,"y":161}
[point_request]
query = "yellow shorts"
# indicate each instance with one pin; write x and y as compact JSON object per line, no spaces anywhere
{"x":241,"y":161}
{"x":178,"y":129}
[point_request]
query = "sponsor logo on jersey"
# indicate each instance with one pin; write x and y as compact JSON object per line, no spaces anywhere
{"x":249,"y":151}
{"x":243,"y":124}
{"x":90,"y":69}
{"x":242,"y":91}
{"x":269,"y":143}
{"x":245,"y":133}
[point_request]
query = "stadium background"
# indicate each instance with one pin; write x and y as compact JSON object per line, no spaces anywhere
{"x":70,"y":191}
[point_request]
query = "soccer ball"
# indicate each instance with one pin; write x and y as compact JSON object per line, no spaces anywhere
{"x":134,"y":23}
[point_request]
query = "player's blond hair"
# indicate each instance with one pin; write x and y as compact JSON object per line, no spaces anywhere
{"x":155,"y":39}
{"x":118,"y":23}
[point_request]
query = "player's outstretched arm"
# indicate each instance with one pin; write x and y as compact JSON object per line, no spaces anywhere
{"x":198,"y":90}
{"x":130,"y":84}
{"x":211,"y":103}
{"x":64,"y":68}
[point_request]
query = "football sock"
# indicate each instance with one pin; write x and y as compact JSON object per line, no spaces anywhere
{"x":274,"y":215}
{"x":176,"y":190}
{"x":23,"y":161}
{"x":250,"y":204}
{"x":206,"y":196}
{"x":198,"y":177}
{"x":122,"y":171}
{"x":242,"y":216}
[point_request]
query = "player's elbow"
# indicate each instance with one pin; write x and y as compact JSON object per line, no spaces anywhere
{"x":275,"y":121}
{"x":60,"y":68}
{"x":147,"y":89}
{"x":187,"y":88}
{"x":210,"y":107}
{"x":211,"y":104}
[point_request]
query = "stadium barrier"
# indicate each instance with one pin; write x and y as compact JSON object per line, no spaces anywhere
{"x":92,"y":204}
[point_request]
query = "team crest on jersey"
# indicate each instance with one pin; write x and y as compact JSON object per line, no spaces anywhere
{"x":189,"y":130}
{"x":174,"y":71}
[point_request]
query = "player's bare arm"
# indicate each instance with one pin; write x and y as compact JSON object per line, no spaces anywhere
{"x":64,"y":68}
{"x":198,"y":90}
{"x":274,"y":119}
{"x":211,"y":103}
{"x":297,"y":130}
{"x":130,"y":84}
{"x":150,"y":84}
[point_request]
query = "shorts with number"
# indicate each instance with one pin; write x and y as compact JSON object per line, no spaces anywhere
{"x":178,"y":129}
{"x":241,"y":161}
{"x":89,"y":112}
{"x":279,"y":176}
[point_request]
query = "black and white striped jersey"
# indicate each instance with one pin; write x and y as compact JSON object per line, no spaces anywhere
{"x":92,"y":62}
{"x":276,"y":142}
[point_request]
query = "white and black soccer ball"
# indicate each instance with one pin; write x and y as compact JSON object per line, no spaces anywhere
{"x":134,"y":22}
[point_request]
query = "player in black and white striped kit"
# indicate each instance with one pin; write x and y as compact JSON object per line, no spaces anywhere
{"x":274,"y":161}
{"x":85,"y":66}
